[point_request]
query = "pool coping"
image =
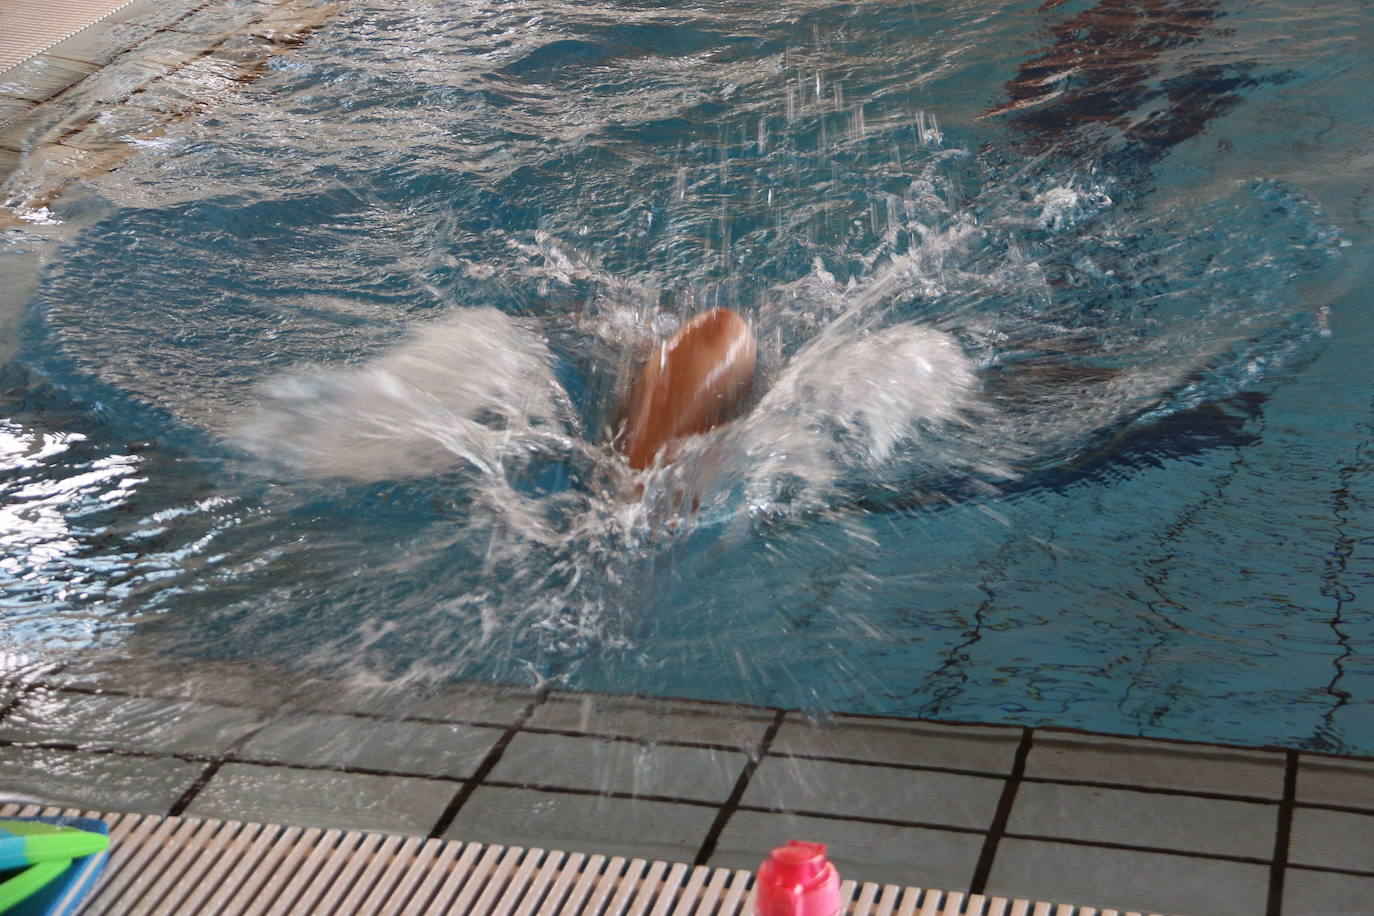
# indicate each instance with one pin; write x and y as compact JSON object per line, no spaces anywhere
{"x":172,"y":58}
{"x":54,"y":63}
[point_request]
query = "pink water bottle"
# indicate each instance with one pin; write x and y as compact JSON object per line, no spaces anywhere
{"x":798,"y":880}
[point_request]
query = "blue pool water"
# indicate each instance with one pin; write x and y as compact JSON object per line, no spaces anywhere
{"x":1064,"y":403}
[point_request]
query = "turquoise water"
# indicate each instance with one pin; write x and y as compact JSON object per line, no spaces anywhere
{"x":1063,"y":411}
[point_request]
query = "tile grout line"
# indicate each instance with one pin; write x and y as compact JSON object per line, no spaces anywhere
{"x":1279,"y":864}
{"x":493,"y":757}
{"x":1133,"y":847}
{"x":1150,"y":790}
{"x":195,"y":757}
{"x":731,"y":803}
{"x":690,"y":743}
{"x":1331,"y":870}
{"x":25,"y":689}
{"x":888,"y":764}
{"x":635,"y":739}
{"x":200,"y":782}
{"x":541,"y":730}
{"x":278,"y":707}
{"x":998,"y":827}
{"x":13,"y":703}
{"x":228,"y":755}
{"x":1332,"y":806}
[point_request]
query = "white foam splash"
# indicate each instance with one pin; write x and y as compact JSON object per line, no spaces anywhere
{"x":848,"y":398}
{"x":475,"y":389}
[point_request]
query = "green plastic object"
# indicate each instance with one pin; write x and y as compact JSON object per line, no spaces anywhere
{"x":64,"y":894}
{"x":17,"y":886}
{"x":28,"y":842}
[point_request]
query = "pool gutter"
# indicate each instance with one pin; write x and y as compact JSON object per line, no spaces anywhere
{"x":167,"y":864}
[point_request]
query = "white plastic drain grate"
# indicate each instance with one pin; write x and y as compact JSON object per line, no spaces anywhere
{"x":29,"y":27}
{"x":175,"y":865}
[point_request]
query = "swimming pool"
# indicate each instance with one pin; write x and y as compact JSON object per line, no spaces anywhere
{"x":1063,"y":411}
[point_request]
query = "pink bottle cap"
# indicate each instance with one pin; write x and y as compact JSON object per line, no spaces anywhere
{"x":798,"y":880}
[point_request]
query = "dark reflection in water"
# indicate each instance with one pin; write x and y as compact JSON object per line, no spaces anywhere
{"x":1106,"y":69}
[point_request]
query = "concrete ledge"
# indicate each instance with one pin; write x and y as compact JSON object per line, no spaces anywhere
{"x":29,"y":27}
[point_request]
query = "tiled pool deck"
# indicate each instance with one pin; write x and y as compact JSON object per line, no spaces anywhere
{"x":164,"y":60}
{"x":48,"y":46}
{"x":1040,"y":813}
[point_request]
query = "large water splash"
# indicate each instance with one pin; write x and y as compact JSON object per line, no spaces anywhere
{"x":475,"y":389}
{"x":916,"y":382}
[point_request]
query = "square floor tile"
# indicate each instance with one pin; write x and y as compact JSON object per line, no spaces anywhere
{"x":12,"y":108}
{"x":217,"y":19}
{"x":315,"y":798}
{"x":1155,"y":764}
{"x":487,"y":704}
{"x":15,"y":134}
{"x":229,"y":683}
{"x":986,"y":749}
{"x":109,"y":782}
{"x":112,"y":140}
{"x":854,"y":790}
{"x":137,"y":71}
{"x":619,"y":766}
{"x":353,"y":741}
{"x":654,"y":720}
{"x":493,"y":704}
{"x":1150,"y":881}
{"x":99,"y":43}
{"x":129,"y":723}
{"x":1307,"y":893}
{"x":583,"y":823}
{"x":861,"y":851}
{"x":1325,"y":780}
{"x":1332,"y":839}
{"x":43,"y":76}
{"x":153,"y":13}
{"x":1178,"y":823}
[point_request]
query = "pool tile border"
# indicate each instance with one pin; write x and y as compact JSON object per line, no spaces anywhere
{"x":773,"y":746}
{"x":54,"y":126}
{"x":52,"y":71}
